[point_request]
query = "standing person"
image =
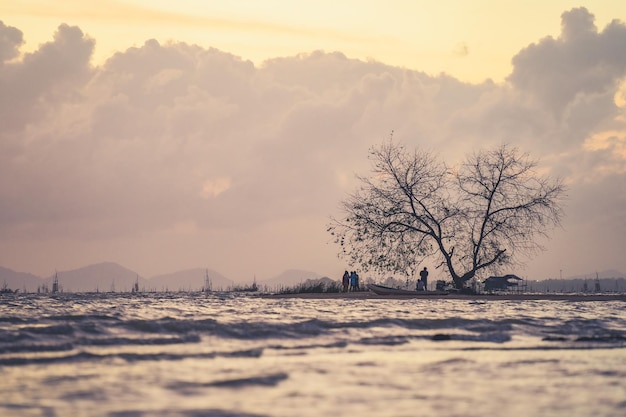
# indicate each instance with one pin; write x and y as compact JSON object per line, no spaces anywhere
{"x":345,"y":281}
{"x":356,"y":281}
{"x":352,"y":280}
{"x":424,"y":277}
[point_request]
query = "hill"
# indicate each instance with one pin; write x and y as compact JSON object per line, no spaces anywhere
{"x":21,"y":281}
{"x":610,"y":273}
{"x":103,"y":277}
{"x":109,"y":276}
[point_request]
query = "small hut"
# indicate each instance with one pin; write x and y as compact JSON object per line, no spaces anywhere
{"x":503,"y":283}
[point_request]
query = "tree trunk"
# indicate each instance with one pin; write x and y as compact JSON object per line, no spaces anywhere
{"x":459,"y":281}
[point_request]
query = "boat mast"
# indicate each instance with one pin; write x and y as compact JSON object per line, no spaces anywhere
{"x":55,"y":283}
{"x":208,"y":284}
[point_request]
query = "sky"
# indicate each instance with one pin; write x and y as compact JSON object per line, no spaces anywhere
{"x":172,"y":135}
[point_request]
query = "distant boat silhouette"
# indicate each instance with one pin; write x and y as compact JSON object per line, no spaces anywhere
{"x":6,"y":290}
{"x":208,"y":284}
{"x":55,"y":283}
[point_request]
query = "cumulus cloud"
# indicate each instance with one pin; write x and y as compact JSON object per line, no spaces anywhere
{"x":582,"y":61}
{"x":197,"y":148}
{"x":10,"y":40}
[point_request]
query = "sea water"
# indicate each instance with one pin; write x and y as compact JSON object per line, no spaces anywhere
{"x":191,"y":355}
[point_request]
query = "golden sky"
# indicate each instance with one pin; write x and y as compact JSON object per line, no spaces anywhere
{"x":470,"y":40}
{"x":170,"y":157}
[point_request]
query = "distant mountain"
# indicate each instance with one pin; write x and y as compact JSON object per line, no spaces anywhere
{"x":289,"y":278}
{"x":188,"y":280}
{"x":578,"y":285}
{"x":611,"y":273}
{"x":108,"y":276}
{"x":103,"y":277}
{"x":19,"y":280}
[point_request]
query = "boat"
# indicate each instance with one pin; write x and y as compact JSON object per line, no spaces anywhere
{"x":382,"y":290}
{"x":6,"y":290}
{"x":503,"y":283}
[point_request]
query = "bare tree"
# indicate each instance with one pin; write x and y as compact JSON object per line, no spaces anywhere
{"x":481,"y":215}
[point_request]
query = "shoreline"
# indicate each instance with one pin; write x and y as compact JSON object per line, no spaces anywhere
{"x":368,"y":295}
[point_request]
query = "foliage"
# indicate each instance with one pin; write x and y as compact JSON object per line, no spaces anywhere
{"x":245,"y":288}
{"x":313,"y":287}
{"x":481,"y":215}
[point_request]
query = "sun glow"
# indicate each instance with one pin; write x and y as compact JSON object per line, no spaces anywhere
{"x":472,"y":41}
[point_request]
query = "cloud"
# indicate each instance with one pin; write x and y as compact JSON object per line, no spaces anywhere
{"x":215,"y":187}
{"x":191,"y":151}
{"x":10,"y":40}
{"x":582,"y":61}
{"x":48,"y":76}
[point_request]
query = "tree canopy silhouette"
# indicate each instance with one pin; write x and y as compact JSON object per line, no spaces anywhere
{"x":481,"y":215}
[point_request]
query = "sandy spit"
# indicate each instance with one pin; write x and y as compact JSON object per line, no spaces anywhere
{"x":366,"y":295}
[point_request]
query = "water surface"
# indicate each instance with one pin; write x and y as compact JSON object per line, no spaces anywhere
{"x":194,"y":355}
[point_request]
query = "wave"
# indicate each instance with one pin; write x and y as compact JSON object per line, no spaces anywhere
{"x":243,"y":382}
{"x":84,"y":356}
{"x":67,"y":332}
{"x":105,"y":341}
{"x":213,"y":412}
{"x":52,"y":329}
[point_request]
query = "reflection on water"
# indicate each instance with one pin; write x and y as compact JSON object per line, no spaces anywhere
{"x":226,"y":355}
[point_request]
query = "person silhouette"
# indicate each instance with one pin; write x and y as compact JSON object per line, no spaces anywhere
{"x":353,"y":281}
{"x":424,"y":277}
